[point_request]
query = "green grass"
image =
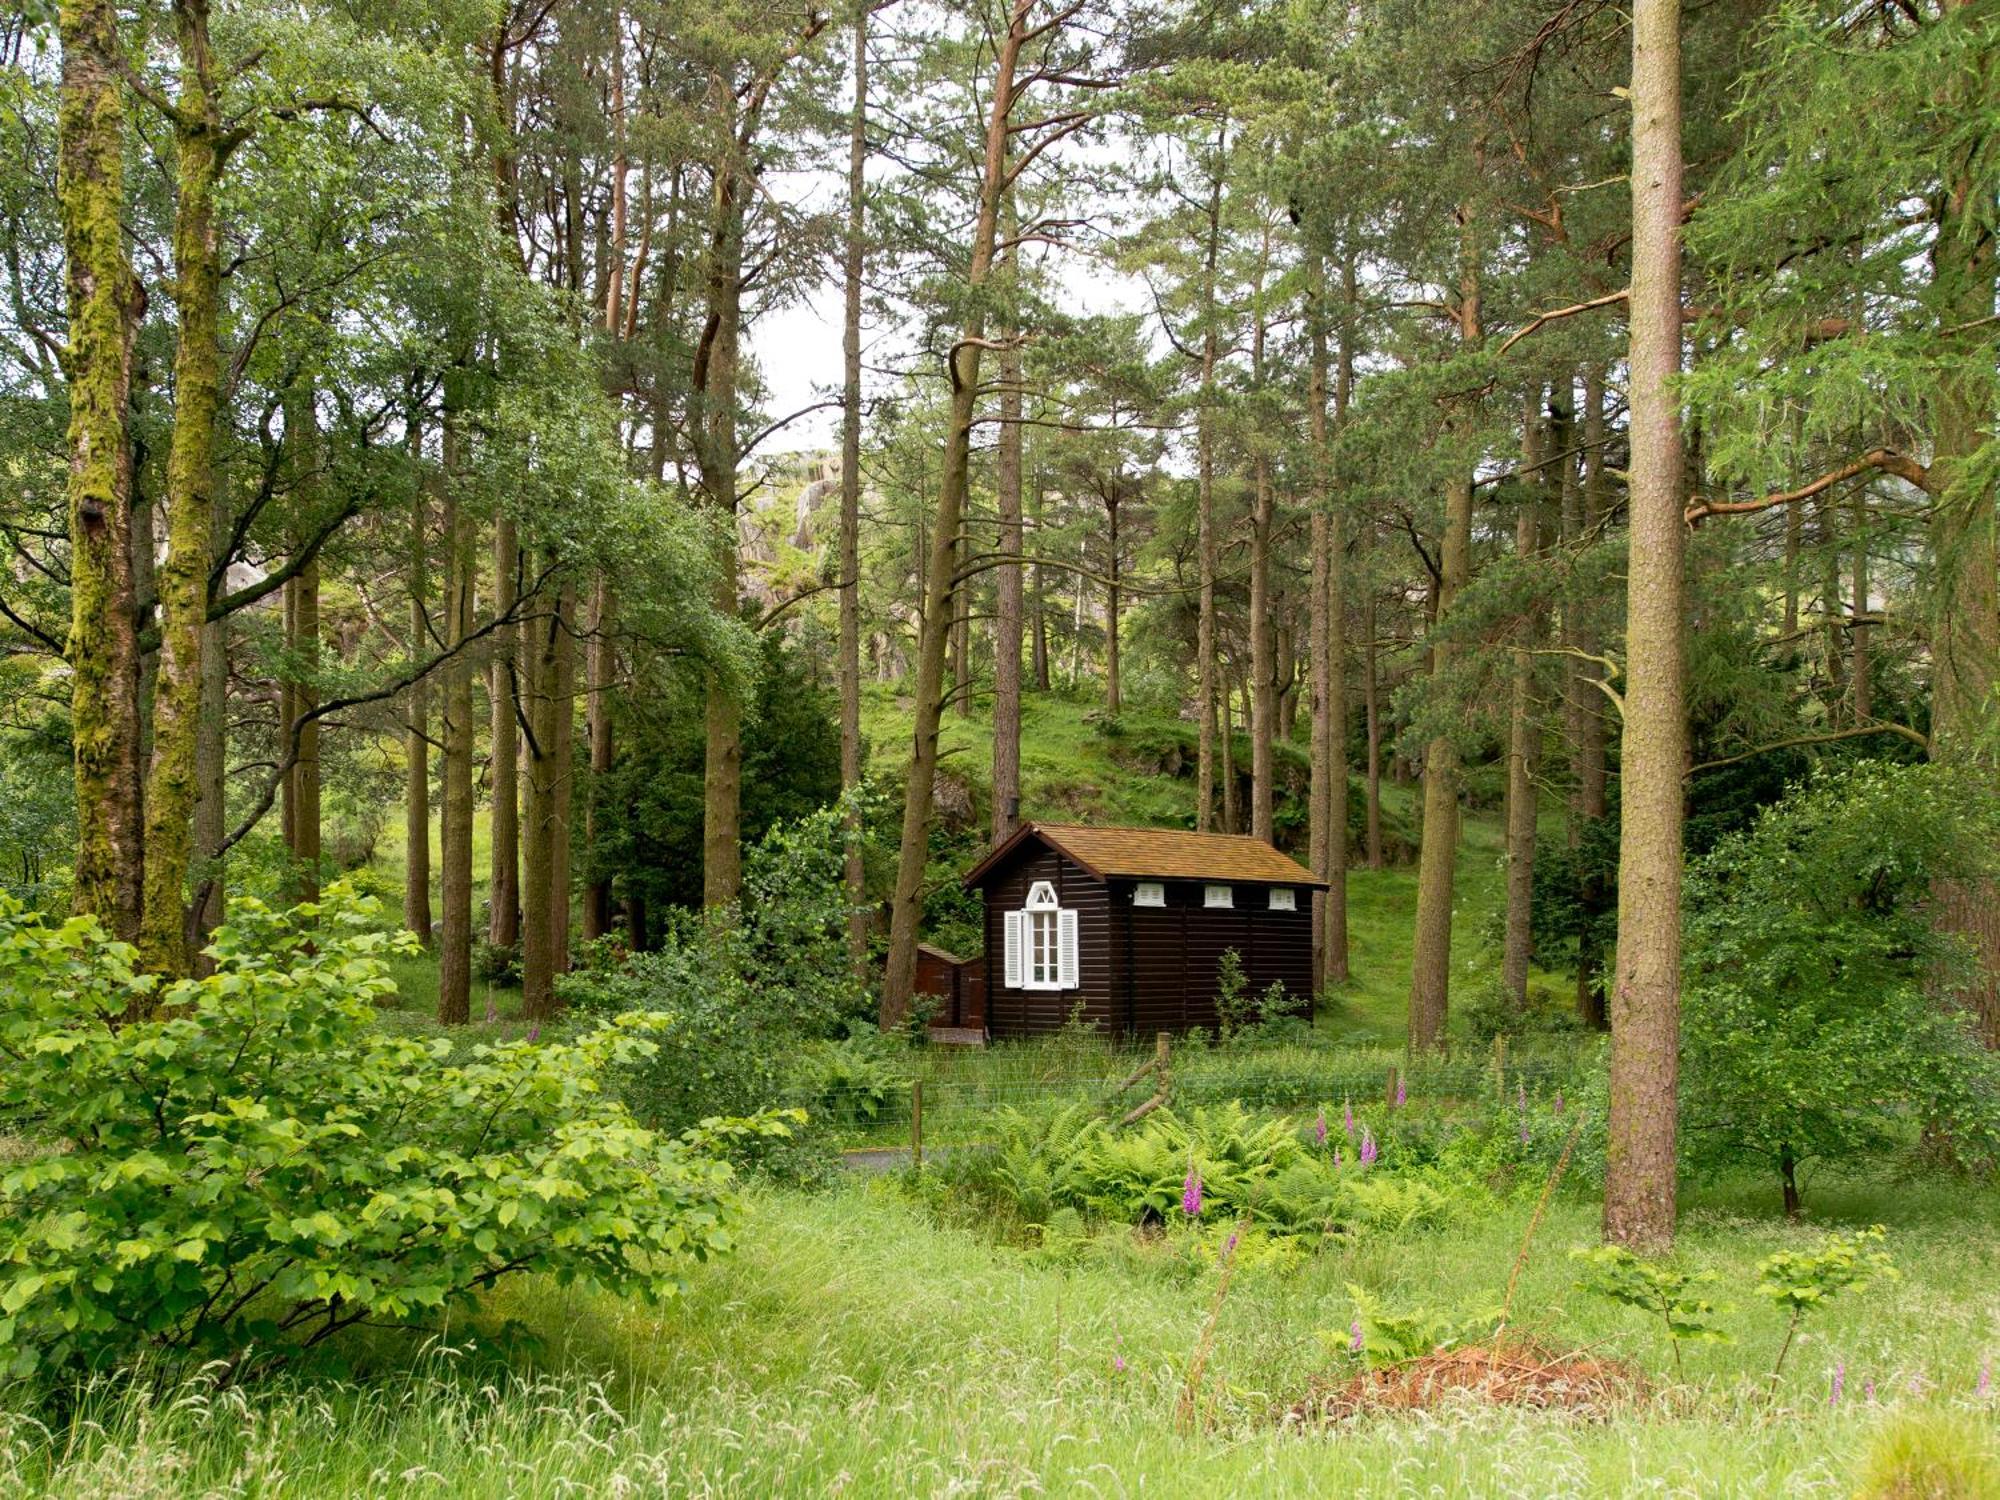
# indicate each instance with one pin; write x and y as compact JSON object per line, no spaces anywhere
{"x":855,"y":1347}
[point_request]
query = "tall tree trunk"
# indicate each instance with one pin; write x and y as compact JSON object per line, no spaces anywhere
{"x":1231,"y":815}
{"x":1327,"y":825}
{"x":416,"y":734}
{"x":1523,"y":729}
{"x":1639,"y":1188}
{"x":1038,"y":650}
{"x":1007,"y":613}
{"x":961,"y":639}
{"x":716,"y":368}
{"x":900,"y":980}
{"x":1833,"y":612}
{"x":537,"y":636}
{"x":202,"y":148}
{"x":850,"y":492}
{"x":1206,"y":645}
{"x":1587,"y":700}
{"x":1263,"y":666}
{"x":563,"y":775}
{"x":1371,"y":678}
{"x":1112,"y":698}
{"x":1965,"y":541}
{"x":599,"y":671}
{"x":503,"y":922}
{"x":1860,"y":669}
{"x":302,"y":434}
{"x":1430,"y":970}
{"x":104,"y":302}
{"x":455,"y":822}
{"x":211,"y":774}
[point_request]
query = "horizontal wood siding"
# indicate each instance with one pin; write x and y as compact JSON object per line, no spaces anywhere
{"x":1177,"y":954}
{"x":1014,"y":1012}
{"x":1143,"y":969}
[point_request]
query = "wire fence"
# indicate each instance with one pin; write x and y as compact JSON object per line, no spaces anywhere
{"x":966,"y":1109}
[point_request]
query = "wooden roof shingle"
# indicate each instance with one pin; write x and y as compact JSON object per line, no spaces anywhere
{"x":1112,"y":853}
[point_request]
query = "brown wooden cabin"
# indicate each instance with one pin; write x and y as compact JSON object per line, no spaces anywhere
{"x":957,"y":984}
{"x":1133,"y":922}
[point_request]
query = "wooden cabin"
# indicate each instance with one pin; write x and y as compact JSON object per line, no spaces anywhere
{"x":1133,"y":923}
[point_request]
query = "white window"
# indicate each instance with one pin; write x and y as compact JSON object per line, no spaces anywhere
{"x":1040,"y":943}
{"x":1149,"y":893}
{"x":1218,"y":895}
{"x":1284,"y":899}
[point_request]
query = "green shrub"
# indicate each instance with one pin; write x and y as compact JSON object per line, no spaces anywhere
{"x":1813,"y":1030}
{"x":741,"y":992}
{"x":259,"y":1164}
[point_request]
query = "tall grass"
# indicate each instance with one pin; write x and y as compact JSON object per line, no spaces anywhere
{"x":854,"y":1347}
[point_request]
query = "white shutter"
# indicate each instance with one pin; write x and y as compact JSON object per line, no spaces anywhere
{"x":1066,"y":965}
{"x":1010,"y":947}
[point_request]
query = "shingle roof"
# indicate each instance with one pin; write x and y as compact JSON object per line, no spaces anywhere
{"x":1160,"y":854}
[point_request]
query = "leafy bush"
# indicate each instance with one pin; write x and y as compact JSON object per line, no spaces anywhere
{"x":258,"y":1163}
{"x":1813,"y":1024}
{"x":742,"y":991}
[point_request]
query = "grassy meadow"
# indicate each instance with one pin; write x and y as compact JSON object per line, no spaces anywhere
{"x":853,"y":1346}
{"x":888,"y":1335}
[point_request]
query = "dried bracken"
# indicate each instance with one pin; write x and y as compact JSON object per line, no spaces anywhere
{"x":1514,"y":1372}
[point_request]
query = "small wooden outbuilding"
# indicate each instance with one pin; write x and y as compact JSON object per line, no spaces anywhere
{"x":1133,"y":922}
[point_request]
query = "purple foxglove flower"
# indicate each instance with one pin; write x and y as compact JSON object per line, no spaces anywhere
{"x":1402,"y":1094}
{"x":1117,"y":1364}
{"x":1524,"y":1130}
{"x":1347,"y":1114}
{"x":1985,"y":1385}
{"x":1354,"y":1341}
{"x":535,"y":1032}
{"x":1839,"y":1383}
{"x":1191,"y":1194}
{"x":1559,"y":1101}
{"x":1868,"y":1389}
{"x":1336,"y":1158}
{"x":1319,"y":1129}
{"x":1229,"y":1247}
{"x":1368,"y":1151}
{"x":1520,"y":1095}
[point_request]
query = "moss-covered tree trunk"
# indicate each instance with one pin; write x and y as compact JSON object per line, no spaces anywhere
{"x":104,"y":306}
{"x":1639,"y":1179}
{"x":202,"y":148}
